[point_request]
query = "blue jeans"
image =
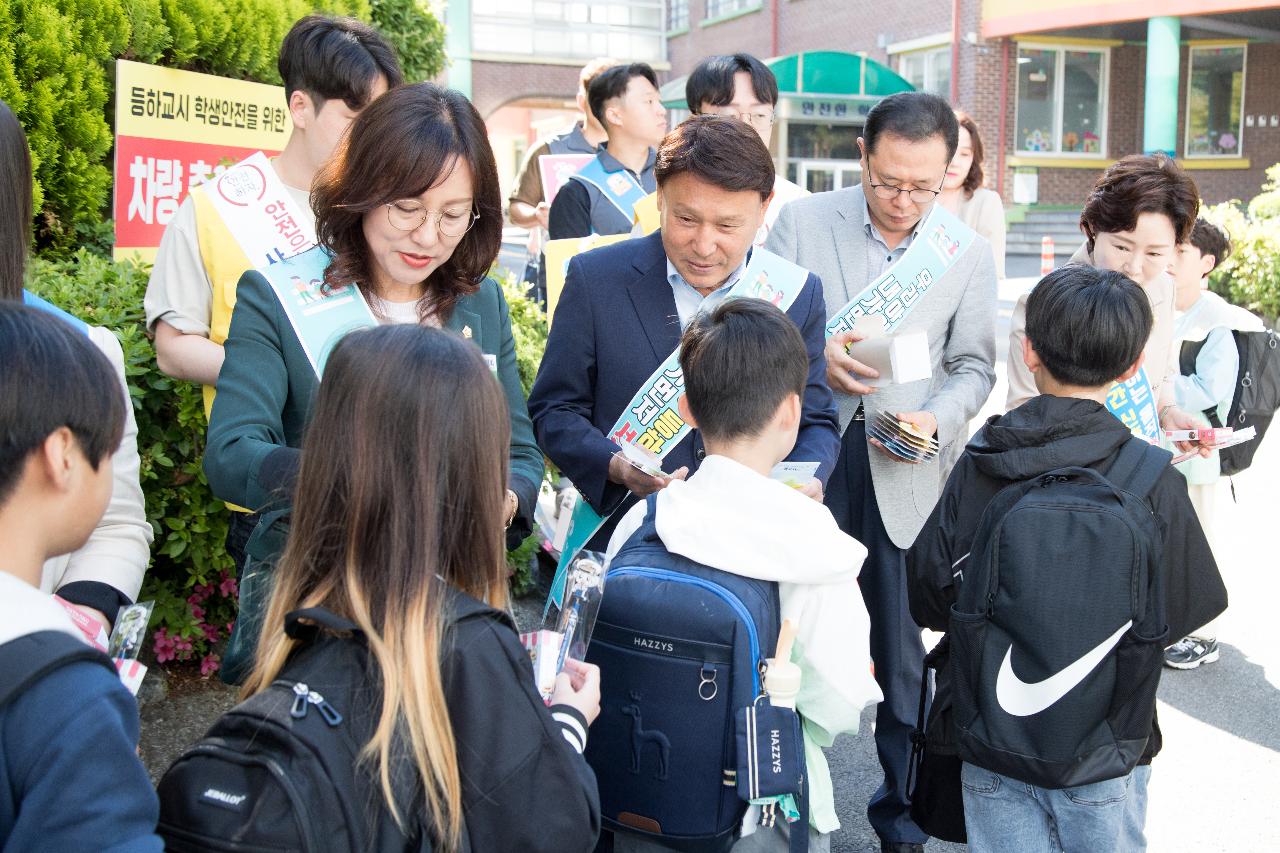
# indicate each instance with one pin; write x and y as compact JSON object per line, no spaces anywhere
{"x":1003,"y":815}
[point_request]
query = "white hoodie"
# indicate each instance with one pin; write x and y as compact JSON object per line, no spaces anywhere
{"x":731,"y":518}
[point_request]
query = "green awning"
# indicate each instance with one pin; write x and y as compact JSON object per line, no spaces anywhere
{"x":818,"y":77}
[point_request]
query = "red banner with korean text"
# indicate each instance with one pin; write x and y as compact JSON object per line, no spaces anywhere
{"x":176,"y":130}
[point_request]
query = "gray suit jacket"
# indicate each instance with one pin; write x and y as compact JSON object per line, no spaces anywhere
{"x":824,"y":234}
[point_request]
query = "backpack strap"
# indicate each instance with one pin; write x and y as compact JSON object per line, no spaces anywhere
{"x":1139,"y":466}
{"x":317,"y":618}
{"x":29,"y":658}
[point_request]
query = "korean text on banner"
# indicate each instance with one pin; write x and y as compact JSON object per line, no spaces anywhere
{"x":259,"y":212}
{"x":1133,"y":403}
{"x":943,"y":239}
{"x":652,"y":419}
{"x":175,"y":130}
{"x":319,"y":317}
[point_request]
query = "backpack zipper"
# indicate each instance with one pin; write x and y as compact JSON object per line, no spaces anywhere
{"x":304,"y":696}
{"x":716,"y":589}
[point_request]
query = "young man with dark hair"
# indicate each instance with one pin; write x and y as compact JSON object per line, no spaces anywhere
{"x":527,"y":207}
{"x":850,"y":237}
{"x":1086,"y":328}
{"x":332,"y":68}
{"x":624,"y":306}
{"x":69,"y":775}
{"x":1209,"y":364}
{"x":601,"y":198}
{"x":745,"y":368}
{"x":742,"y":87}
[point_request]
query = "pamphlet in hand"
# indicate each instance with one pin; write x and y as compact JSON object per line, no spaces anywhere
{"x":125,"y":641}
{"x":641,"y":459}
{"x":1214,"y":439}
{"x":897,"y":358}
{"x":568,"y":633}
{"x":797,"y":475}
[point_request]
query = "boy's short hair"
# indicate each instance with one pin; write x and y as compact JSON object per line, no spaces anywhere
{"x":333,"y":57}
{"x":740,"y":363}
{"x":612,"y":83}
{"x":1087,"y":325}
{"x":1211,"y":240}
{"x":711,"y":82}
{"x":1137,"y":184}
{"x":52,"y":377}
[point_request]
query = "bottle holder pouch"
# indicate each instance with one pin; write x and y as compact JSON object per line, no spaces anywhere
{"x":770,"y":751}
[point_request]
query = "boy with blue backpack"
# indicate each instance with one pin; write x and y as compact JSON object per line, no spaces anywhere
{"x":1062,"y":555}
{"x":700,"y":577}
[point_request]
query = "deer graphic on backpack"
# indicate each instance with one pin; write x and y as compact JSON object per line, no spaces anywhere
{"x":640,"y":736}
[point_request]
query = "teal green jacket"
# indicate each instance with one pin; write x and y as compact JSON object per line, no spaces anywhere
{"x":267,"y":387}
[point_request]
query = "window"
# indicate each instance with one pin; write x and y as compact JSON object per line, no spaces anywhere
{"x":927,"y":70}
{"x":627,"y":29}
{"x":1215,"y":102}
{"x":1061,"y":100}
{"x":677,"y":16}
{"x":720,"y":8}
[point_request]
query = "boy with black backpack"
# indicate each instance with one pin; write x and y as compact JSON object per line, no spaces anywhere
{"x":69,"y":775}
{"x":1062,"y":554}
{"x":1209,"y":367}
{"x":700,"y":576}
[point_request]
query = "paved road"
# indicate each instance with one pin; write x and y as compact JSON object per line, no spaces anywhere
{"x":1215,"y":785}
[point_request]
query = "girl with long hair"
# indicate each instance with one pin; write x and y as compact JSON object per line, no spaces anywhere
{"x":397,"y":527}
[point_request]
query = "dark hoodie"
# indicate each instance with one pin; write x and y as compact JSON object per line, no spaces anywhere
{"x":1045,"y":433}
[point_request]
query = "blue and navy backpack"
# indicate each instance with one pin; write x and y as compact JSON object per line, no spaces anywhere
{"x":681,"y":648}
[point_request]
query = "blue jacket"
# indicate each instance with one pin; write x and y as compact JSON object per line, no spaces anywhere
{"x":615,"y":323}
{"x":69,"y":777}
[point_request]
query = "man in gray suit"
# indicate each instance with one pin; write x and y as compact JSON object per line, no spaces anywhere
{"x":848,"y":238}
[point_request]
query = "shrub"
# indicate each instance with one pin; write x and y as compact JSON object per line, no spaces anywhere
{"x":190,"y":575}
{"x":1251,"y":276}
{"x":57,"y":74}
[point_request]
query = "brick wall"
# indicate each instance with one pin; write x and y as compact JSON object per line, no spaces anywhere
{"x":749,"y":33}
{"x":496,"y":83}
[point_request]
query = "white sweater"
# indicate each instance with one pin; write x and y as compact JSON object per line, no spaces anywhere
{"x":731,"y":518}
{"x":117,"y":551}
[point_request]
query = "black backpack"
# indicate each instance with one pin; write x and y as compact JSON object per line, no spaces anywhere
{"x":281,"y":770}
{"x":1257,"y":395}
{"x":1058,"y":630}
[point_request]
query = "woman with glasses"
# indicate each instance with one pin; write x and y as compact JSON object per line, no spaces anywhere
{"x":410,"y":210}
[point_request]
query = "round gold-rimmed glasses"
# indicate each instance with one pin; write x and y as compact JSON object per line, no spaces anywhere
{"x":410,"y":216}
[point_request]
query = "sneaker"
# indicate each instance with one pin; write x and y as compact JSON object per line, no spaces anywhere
{"x":1190,"y":652}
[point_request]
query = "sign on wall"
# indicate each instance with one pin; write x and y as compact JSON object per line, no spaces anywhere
{"x":174,"y":131}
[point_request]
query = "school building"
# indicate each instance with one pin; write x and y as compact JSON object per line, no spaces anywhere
{"x":1060,"y":88}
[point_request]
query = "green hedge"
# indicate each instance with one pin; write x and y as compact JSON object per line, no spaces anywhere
{"x":1251,"y":276}
{"x":56,"y":72}
{"x":189,"y":578}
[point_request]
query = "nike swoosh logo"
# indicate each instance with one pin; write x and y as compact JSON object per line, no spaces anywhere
{"x":1021,"y":699}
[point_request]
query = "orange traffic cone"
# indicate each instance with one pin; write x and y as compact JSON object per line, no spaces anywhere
{"x":1046,"y":255}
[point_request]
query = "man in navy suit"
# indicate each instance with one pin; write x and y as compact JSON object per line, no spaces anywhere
{"x":624,"y":306}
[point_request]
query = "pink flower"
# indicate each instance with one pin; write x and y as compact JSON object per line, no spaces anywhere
{"x":211,"y":633}
{"x":228,"y":587}
{"x":209,"y":665}
{"x":164,"y":646}
{"x":197,"y":612}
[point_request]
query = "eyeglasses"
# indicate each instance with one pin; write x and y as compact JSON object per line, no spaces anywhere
{"x":409,"y":216}
{"x":755,"y":118}
{"x":889,"y":192}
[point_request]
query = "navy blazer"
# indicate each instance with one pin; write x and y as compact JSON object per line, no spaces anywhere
{"x":615,"y":323}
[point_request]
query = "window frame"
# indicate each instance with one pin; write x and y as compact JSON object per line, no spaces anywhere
{"x":930,"y":57}
{"x":671,"y":25}
{"x":1186,"y":122}
{"x":739,"y":7}
{"x":1059,"y":82}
